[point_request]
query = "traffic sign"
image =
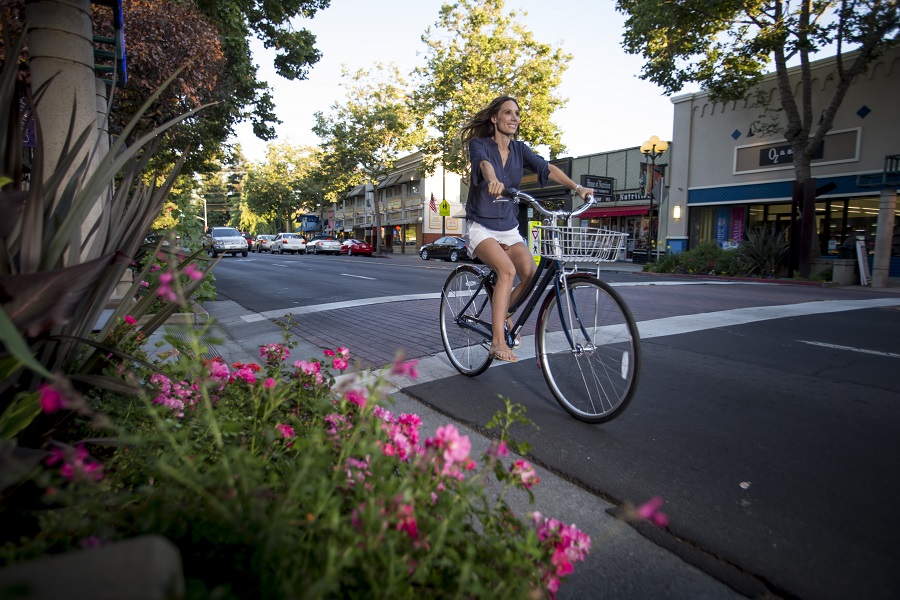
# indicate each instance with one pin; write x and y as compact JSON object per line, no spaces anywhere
{"x":444,"y":208}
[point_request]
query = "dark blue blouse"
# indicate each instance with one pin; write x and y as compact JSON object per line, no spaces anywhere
{"x":480,"y":206}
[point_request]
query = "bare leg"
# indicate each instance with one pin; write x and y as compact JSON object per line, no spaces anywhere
{"x":525,"y":268}
{"x":494,"y":256}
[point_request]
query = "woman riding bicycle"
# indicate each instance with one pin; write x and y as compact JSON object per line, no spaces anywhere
{"x":497,"y":162}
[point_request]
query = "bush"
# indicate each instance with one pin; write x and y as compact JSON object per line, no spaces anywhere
{"x":706,"y":259}
{"x":277,"y":482}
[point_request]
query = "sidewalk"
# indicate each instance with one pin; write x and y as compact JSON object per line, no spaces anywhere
{"x":622,"y":562}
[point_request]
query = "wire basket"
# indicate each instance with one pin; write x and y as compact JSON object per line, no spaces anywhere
{"x":581,"y":244}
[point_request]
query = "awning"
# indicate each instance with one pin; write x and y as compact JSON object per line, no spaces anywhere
{"x":389,"y":180}
{"x":357,"y":191}
{"x":409,"y":176}
{"x":614,"y":211}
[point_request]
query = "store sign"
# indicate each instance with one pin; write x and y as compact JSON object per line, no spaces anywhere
{"x":841,"y":146}
{"x":602,"y":186}
{"x":784,"y":155}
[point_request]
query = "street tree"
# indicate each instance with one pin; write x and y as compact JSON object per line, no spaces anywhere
{"x":277,"y":188}
{"x":726,"y":47}
{"x":476,"y":52}
{"x":362,"y":137}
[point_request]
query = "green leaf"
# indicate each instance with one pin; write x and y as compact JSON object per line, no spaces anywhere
{"x":19,"y":414}
{"x":17,"y":346}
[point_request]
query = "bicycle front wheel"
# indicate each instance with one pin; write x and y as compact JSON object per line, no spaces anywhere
{"x":589,"y":349}
{"x":465,"y":321}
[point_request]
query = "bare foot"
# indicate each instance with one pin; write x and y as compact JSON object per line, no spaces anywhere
{"x":503,"y":353}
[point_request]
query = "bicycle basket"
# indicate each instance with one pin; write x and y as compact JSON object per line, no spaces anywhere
{"x":581,"y":244}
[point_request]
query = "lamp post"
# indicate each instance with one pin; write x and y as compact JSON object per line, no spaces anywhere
{"x":652,"y":149}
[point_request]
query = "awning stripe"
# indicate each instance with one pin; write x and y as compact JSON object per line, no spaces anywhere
{"x":615,"y":211}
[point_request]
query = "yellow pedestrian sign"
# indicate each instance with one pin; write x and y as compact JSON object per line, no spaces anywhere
{"x":535,"y":245}
{"x":444,"y":209}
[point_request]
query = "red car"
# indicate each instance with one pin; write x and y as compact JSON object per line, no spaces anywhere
{"x":351,"y":247}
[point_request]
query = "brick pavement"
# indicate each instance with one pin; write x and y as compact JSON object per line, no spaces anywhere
{"x":374,"y":334}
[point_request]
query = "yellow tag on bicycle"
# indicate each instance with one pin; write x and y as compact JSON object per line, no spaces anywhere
{"x":534,"y":240}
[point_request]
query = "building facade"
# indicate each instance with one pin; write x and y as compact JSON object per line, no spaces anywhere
{"x":726,"y":177}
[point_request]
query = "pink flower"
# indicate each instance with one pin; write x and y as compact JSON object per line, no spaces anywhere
{"x":286,"y":431}
{"x":51,"y":400}
{"x":356,"y":397}
{"x":328,"y":353}
{"x":269,"y":383}
{"x":456,"y":446}
{"x":275,"y":353}
{"x":165,"y":290}
{"x":340,"y":363}
{"x":408,"y":368}
{"x":650,"y":511}
{"x":76,"y":464}
{"x":193,"y":272}
{"x":311,"y":369}
{"x":524,"y":474}
{"x":498,"y":450}
{"x":130,"y":320}
{"x":342,"y":351}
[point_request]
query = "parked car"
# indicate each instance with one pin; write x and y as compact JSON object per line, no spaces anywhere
{"x":224,"y":240}
{"x":449,"y":247}
{"x":292,"y":243}
{"x":324,"y":244}
{"x":351,"y":247}
{"x":263,"y":243}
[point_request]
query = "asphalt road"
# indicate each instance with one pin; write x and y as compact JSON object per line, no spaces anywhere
{"x":767,"y":415}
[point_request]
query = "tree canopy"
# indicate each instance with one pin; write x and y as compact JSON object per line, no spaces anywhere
{"x":476,"y":52}
{"x":363,"y":136}
{"x":275,"y":189}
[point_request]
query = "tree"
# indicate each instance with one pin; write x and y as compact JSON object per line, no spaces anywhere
{"x":476,"y":53}
{"x":726,"y":46}
{"x":363,"y":137}
{"x":275,"y":189}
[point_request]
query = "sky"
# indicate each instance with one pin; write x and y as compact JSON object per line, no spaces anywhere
{"x":609,"y":107}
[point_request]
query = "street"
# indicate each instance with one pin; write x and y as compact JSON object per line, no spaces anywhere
{"x":766,"y":414}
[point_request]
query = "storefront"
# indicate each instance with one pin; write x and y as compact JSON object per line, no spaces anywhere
{"x":730,"y":178}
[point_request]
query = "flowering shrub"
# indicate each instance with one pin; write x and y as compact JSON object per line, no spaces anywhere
{"x":276,"y":481}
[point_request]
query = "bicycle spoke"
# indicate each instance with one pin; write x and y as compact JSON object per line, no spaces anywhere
{"x":465,"y":335}
{"x":588,"y":349}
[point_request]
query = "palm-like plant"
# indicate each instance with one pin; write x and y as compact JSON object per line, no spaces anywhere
{"x":55,"y":279}
{"x":764,"y":252}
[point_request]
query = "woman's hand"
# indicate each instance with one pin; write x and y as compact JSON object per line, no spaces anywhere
{"x":495,"y":188}
{"x":584,"y":191}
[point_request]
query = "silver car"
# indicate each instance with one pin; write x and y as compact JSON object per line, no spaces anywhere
{"x":224,"y":240}
{"x":291,"y":243}
{"x":324,"y":244}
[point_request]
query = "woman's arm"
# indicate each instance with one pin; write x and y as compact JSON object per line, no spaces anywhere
{"x":495,"y":187}
{"x":561,"y":178}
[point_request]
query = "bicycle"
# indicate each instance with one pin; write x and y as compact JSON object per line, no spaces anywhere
{"x":586,"y":341}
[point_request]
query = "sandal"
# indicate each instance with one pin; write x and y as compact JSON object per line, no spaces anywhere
{"x":509,"y":325}
{"x":504,"y":354}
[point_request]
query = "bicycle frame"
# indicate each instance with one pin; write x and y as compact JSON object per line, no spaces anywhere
{"x":548,"y":271}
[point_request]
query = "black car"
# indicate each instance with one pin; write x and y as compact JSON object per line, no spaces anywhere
{"x":447,"y":248}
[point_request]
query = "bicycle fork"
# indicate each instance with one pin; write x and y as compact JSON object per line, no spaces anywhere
{"x":570,"y":314}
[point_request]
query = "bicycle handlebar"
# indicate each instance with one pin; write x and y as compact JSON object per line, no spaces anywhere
{"x":517,"y":196}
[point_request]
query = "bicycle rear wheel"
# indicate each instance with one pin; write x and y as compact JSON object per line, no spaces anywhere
{"x":465,"y":321}
{"x":589,"y":349}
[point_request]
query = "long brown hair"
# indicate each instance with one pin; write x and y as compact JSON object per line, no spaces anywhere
{"x":480,"y":125}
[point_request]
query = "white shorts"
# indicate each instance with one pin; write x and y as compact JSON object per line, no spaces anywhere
{"x":477,"y":233}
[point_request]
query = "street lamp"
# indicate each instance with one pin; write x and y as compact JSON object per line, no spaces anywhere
{"x":652,"y":149}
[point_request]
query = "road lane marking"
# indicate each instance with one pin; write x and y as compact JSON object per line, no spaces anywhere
{"x":305,"y":310}
{"x":358,"y":276}
{"x":850,"y":348}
